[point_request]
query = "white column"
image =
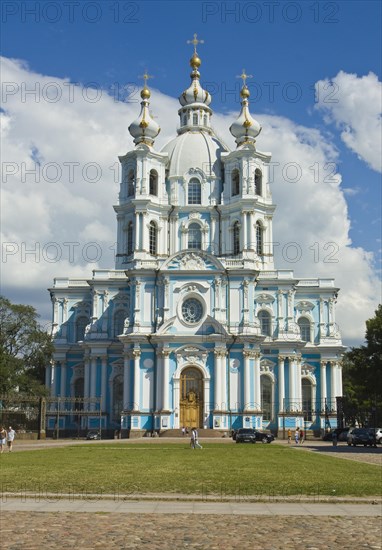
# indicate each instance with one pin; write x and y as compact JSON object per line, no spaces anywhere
{"x":281,"y":378}
{"x":292,"y":380}
{"x":126,"y":378}
{"x":257,"y":382}
{"x":323,"y":383}
{"x":333,"y":380}
{"x":159,"y":385}
{"x":247,"y":380}
{"x":339,"y":380}
{"x":251,"y":243}
{"x":223,"y":370}
{"x":166,"y":379}
{"x":63,"y":379}
{"x":298,"y":382}
{"x":93,"y":379}
{"x":213,"y":240}
{"x":53,"y":379}
{"x":137,"y":231}
{"x":137,"y":379}
{"x":217,"y":381}
{"x":145,"y":233}
{"x":245,"y":236}
{"x":103,"y":382}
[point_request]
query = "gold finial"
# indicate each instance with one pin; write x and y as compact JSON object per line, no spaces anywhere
{"x":145,"y":92}
{"x":195,"y":42}
{"x":244,"y":91}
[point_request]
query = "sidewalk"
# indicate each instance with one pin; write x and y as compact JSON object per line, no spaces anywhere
{"x":176,"y":507}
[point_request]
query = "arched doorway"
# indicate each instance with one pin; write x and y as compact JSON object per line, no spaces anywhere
{"x":191,"y":398}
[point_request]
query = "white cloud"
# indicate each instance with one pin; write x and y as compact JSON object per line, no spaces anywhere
{"x":65,"y":216}
{"x":353,"y":103}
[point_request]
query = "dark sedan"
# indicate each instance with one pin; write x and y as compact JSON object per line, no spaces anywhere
{"x":249,"y":435}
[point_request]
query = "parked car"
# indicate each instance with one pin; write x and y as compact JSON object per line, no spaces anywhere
{"x":378,"y":435}
{"x":249,"y":435}
{"x":93,"y":434}
{"x":342,"y":434}
{"x":360,"y":436}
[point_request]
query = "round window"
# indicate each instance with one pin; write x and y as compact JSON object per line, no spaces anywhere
{"x":192,"y":310}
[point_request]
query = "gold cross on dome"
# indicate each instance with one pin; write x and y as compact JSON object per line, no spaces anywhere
{"x":195,"y":42}
{"x":146,"y":77}
{"x":244,"y":77}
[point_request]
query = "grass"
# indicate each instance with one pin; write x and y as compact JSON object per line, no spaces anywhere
{"x":218,"y":469}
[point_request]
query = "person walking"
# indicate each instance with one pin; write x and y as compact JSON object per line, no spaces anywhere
{"x":297,"y":435}
{"x":10,"y":438}
{"x":301,"y":436}
{"x":289,"y":436}
{"x":196,"y":442}
{"x":192,"y":441}
{"x":3,"y":439}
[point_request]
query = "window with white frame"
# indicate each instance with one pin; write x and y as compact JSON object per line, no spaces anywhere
{"x":119,"y":322}
{"x":259,"y":238}
{"x":304,"y":325}
{"x":266,"y":396}
{"x":130,"y":183}
{"x":194,"y":236}
{"x":130,"y":238}
{"x":265,"y":323}
{"x":306,"y":393}
{"x":153,"y":238}
{"x":194,"y":191}
{"x":236,"y":238}
{"x":153,"y":182}
{"x":81,"y":324}
{"x":235,"y":182}
{"x":258,"y":182}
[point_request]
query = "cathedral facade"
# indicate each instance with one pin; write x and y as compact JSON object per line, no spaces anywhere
{"x":195,"y":326}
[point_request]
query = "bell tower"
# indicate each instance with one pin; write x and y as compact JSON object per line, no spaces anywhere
{"x":247,"y":208}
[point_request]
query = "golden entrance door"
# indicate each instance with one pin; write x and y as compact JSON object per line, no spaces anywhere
{"x":191,"y":398}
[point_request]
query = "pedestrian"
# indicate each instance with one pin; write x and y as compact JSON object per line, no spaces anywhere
{"x":289,"y":436}
{"x":334,"y":439}
{"x":301,"y":436}
{"x":297,"y":435}
{"x":192,"y":441}
{"x":196,"y":442}
{"x":183,"y":430}
{"x":10,"y":438}
{"x":3,"y":439}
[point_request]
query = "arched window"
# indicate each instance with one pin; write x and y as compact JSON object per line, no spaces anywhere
{"x":195,"y":119}
{"x":258,"y":181}
{"x":205,"y":120}
{"x":117,"y":397}
{"x":304,"y":325}
{"x":194,"y":191}
{"x":194,"y":236}
{"x":119,"y":322}
{"x":130,"y":238}
{"x":259,"y":238}
{"x":81,"y":324}
{"x":153,"y":182}
{"x":153,"y":234}
{"x":265,"y":323}
{"x":235,"y":182}
{"x":130,"y":183}
{"x":306,"y":393}
{"x":184,"y":120}
{"x":236,"y":238}
{"x":266,"y":397}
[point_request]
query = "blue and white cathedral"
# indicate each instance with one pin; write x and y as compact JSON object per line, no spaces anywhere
{"x":195,"y":326}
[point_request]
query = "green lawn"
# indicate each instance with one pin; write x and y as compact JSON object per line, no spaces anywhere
{"x":218,"y":469}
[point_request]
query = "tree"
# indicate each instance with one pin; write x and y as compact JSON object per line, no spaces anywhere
{"x":25,"y":349}
{"x":362,"y":369}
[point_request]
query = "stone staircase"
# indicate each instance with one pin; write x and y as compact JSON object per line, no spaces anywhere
{"x":201,"y":432}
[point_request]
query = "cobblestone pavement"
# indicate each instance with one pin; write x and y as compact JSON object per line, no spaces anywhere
{"x":32,"y":531}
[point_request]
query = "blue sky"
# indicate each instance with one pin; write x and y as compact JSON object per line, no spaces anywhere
{"x":288,"y":47}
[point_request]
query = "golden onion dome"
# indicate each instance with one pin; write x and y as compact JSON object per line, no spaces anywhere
{"x":145,"y":93}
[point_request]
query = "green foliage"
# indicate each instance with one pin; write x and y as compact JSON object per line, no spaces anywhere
{"x":362,"y":373}
{"x":25,"y":349}
{"x":219,"y":469}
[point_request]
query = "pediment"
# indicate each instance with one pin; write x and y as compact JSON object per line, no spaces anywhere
{"x":192,"y":260}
